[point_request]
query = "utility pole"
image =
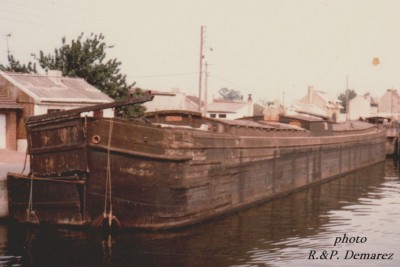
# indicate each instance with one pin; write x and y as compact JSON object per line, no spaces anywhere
{"x":347,"y":98}
{"x":201,"y":63}
{"x":205,"y":90}
{"x":391,"y":103}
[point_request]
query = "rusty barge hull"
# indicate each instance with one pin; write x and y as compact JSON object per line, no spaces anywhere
{"x":168,"y":176}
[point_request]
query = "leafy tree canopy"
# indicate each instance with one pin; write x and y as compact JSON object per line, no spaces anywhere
{"x":132,"y":111}
{"x":15,"y":66}
{"x":342,"y":97}
{"x":230,"y":94}
{"x":86,"y":58}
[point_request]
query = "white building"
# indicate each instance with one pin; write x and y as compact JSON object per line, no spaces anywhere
{"x":230,"y":109}
{"x":389,"y":104}
{"x":319,"y":103}
{"x":174,"y":100}
{"x":362,"y":106}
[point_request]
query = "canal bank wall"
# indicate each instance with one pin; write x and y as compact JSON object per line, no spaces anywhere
{"x":10,"y":161}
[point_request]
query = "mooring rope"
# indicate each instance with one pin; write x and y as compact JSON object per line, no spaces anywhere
{"x":108,"y":192}
{"x":30,"y":204}
{"x":26,"y":151}
{"x":26,"y":157}
{"x":30,"y":213}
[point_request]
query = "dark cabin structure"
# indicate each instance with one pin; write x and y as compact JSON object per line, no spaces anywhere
{"x":316,"y":126}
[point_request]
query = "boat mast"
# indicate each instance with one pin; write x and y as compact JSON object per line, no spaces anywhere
{"x":201,"y":63}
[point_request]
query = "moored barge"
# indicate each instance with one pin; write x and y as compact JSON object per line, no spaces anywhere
{"x":176,"y":168}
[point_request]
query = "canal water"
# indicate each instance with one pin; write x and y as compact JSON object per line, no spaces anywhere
{"x":350,"y":221}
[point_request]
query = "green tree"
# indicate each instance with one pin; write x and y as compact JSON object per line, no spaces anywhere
{"x":132,"y":111}
{"x":230,"y":94}
{"x":86,"y":58}
{"x":15,"y":66}
{"x":342,"y":97}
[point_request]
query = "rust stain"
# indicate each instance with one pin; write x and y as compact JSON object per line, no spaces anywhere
{"x":137,"y":171}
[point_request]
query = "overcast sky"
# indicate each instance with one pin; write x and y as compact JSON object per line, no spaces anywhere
{"x":267,"y":48}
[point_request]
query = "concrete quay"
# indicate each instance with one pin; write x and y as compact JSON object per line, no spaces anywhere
{"x":10,"y":161}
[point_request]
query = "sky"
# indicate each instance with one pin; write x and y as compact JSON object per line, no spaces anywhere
{"x":272,"y":49}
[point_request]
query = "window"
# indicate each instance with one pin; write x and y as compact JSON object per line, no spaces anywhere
{"x":213,"y":115}
{"x":222,"y":116}
{"x":98,"y":113}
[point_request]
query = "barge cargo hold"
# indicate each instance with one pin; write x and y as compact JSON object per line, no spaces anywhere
{"x":175,"y":168}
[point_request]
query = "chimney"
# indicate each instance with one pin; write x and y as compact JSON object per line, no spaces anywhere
{"x":310,"y":94}
{"x":54,"y":75}
{"x":250,"y":110}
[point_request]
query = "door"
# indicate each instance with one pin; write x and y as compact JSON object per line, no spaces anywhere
{"x":2,"y":131}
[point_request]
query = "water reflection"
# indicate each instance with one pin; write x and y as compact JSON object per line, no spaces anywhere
{"x":278,"y":233}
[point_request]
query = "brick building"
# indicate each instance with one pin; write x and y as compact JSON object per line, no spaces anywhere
{"x":24,"y":95}
{"x":8,"y":122}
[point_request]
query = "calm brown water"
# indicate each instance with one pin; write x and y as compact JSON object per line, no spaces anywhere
{"x":291,"y":231}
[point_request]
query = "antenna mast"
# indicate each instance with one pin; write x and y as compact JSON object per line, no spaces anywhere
{"x":201,"y":63}
{"x":8,"y":48}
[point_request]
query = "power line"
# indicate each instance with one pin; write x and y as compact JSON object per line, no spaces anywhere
{"x":163,"y":75}
{"x":228,"y":81}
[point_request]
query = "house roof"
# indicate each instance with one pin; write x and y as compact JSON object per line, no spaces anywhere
{"x":226,"y":105}
{"x":172,"y":100}
{"x":43,"y":88}
{"x":330,"y":101}
{"x":327,"y":98}
{"x":194,"y":100}
{"x":5,"y":105}
{"x":308,"y":108}
{"x":374,"y":101}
